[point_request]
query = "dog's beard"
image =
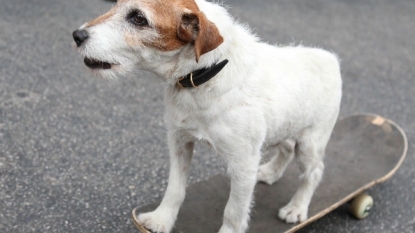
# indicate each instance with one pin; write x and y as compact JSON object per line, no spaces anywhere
{"x":112,"y":68}
{"x":114,"y":73}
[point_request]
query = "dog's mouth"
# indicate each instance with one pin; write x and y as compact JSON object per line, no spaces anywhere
{"x":97,"y":64}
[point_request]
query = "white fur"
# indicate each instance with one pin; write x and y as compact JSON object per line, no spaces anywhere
{"x":264,"y":96}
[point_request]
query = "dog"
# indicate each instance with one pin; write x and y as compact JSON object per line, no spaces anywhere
{"x":225,"y":87}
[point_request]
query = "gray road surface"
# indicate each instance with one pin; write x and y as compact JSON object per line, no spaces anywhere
{"x":77,"y":153}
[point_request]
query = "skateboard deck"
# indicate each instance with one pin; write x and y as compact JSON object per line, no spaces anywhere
{"x":364,"y":150}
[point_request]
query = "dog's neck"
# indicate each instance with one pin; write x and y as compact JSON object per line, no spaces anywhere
{"x":200,"y":76}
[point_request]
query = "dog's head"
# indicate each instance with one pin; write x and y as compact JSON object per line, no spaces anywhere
{"x":145,"y":34}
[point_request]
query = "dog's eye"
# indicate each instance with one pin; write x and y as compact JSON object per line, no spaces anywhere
{"x":137,"y":18}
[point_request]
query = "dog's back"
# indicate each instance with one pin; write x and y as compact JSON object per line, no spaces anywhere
{"x":302,"y":85}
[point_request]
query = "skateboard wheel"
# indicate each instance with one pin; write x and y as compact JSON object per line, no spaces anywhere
{"x":361,"y":205}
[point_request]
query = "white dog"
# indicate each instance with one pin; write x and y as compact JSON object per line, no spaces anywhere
{"x":225,"y":87}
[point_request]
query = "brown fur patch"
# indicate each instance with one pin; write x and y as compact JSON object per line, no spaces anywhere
{"x":101,"y":19}
{"x":197,"y":29}
{"x":167,"y":17}
{"x":168,"y":24}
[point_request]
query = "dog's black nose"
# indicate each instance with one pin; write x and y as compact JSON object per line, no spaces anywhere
{"x":80,"y":36}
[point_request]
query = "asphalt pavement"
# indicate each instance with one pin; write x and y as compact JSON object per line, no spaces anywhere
{"x":78,"y":153}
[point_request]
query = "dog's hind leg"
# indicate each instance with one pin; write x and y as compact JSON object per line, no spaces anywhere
{"x":273,"y":170}
{"x":309,"y":152}
{"x":162,"y":219}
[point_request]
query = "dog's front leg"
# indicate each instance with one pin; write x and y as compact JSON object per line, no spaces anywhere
{"x":162,"y":219}
{"x":242,"y":168}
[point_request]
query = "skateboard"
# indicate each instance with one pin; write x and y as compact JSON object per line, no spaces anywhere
{"x":363,"y":150}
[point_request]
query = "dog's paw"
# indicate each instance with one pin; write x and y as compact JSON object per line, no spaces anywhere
{"x":267,"y":175}
{"x":156,"y":222}
{"x":293,"y":214}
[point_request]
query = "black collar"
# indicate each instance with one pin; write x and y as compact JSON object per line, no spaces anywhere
{"x":201,"y":76}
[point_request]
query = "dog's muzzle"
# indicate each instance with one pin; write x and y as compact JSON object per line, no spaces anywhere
{"x":80,"y":36}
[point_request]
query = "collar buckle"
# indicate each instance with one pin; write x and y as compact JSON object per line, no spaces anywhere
{"x":198,"y":77}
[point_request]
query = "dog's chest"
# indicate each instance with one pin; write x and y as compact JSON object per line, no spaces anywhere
{"x":195,"y":114}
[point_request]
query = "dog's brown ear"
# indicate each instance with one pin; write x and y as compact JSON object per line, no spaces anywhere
{"x":197,"y":29}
